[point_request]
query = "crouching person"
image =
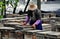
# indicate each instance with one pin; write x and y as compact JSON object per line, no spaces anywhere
{"x":33,"y":18}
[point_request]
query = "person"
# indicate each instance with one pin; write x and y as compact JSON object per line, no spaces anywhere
{"x":33,"y":17}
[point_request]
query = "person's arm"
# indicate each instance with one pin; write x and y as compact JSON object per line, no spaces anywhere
{"x":37,"y":17}
{"x":27,"y":19}
{"x":37,"y":22}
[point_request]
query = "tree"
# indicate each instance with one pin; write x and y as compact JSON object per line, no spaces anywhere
{"x":3,"y":8}
{"x":16,"y":1}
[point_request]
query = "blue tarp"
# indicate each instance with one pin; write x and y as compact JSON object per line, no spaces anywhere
{"x":51,"y":7}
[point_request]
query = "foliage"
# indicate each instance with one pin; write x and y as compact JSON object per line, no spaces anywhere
{"x":2,"y":8}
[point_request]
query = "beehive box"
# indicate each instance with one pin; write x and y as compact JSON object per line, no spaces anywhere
{"x":30,"y":33}
{"x":48,"y":35}
{"x":46,"y":27}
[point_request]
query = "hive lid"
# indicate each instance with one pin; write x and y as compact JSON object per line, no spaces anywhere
{"x":49,"y":33}
{"x":34,"y":31}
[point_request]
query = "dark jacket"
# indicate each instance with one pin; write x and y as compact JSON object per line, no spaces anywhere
{"x":36,"y":14}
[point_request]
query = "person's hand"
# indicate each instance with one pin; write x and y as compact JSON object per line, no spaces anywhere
{"x":23,"y":23}
{"x":34,"y":26}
